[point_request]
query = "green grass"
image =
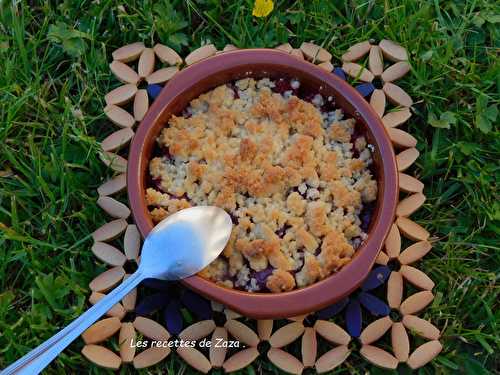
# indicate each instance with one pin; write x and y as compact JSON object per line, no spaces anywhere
{"x":54,"y":74}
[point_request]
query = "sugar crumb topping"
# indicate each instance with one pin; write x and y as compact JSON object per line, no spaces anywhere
{"x":294,"y":178}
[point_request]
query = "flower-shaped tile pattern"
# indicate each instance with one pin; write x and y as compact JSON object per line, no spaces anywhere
{"x":374,"y":71}
{"x":352,"y":305}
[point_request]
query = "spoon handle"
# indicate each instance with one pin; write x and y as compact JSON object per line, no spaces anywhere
{"x":36,"y":360}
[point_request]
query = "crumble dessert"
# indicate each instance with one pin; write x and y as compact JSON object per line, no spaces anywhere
{"x":294,"y":175}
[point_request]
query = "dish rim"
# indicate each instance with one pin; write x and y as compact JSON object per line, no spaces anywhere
{"x":321,"y":293}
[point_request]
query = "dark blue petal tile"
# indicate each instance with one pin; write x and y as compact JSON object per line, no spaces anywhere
{"x":152,"y":303}
{"x":353,"y":318}
{"x":197,"y":304}
{"x":173,"y":317}
{"x":365,"y":89}
{"x":374,"y":305}
{"x":339,"y":72}
{"x":154,"y":90}
{"x":332,"y":310}
{"x":376,"y":277}
{"x":157,"y":284}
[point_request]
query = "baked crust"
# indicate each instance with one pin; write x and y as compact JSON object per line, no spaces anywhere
{"x":293,"y":176}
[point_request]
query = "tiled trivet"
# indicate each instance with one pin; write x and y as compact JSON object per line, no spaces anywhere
{"x":374,"y":79}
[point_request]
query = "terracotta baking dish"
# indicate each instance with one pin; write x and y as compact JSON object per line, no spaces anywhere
{"x":207,"y":74}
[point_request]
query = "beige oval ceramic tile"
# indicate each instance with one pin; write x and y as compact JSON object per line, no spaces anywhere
{"x":397,"y":117}
{"x":327,"y":65}
{"x":107,"y":280}
{"x":376,"y":61}
{"x":375,"y":330}
{"x":286,"y":335}
{"x":231,"y":314}
{"x":264,"y":329}
{"x":377,"y":101}
{"x":411,"y":230}
{"x":141,"y":104}
{"x":400,"y":138}
{"x":309,"y":347}
{"x":102,"y":330}
{"x":151,"y":329}
{"x":114,"y":161}
{"x":200,"y":54}
{"x":101,"y":356}
{"x":128,"y":53}
{"x":116,"y":311}
{"x":382,"y":258}
{"x":410,"y":184}
{"x":113,"y":186}
{"x":315,"y":53}
{"x":421,"y":327}
{"x":242,"y":332}
{"x":119,"y":116}
{"x":126,"y":340}
{"x":113,"y":207}
{"x":332,"y":332}
{"x":240,"y":360}
{"x":393,"y":242}
{"x":129,"y":300}
{"x":356,"y":51}
{"x":414,"y":252}
{"x":417,"y":277}
{"x":146,"y":63}
{"x":110,"y":231}
{"x":117,"y":139}
{"x":286,"y":47}
{"x":410,"y":204}
{"x":378,"y":357}
{"x":285,"y":361}
{"x":167,"y":55}
{"x":150,"y":357}
{"x":123,"y":72}
{"x":132,"y":242}
{"x":395,"y":290}
{"x":397,"y":95}
{"x":297,"y":53}
{"x":217,"y":352}
{"x":406,"y":158}
{"x":416,"y":302}
{"x":298,"y":318}
{"x":108,"y":254}
{"x":358,"y":72}
{"x":121,"y":95}
{"x":162,"y":75}
{"x":424,"y":354}
{"x":393,"y":51}
{"x":194,"y":358}
{"x":229,"y":47}
{"x":400,"y":342}
{"x":395,"y":71}
{"x":331,"y":359}
{"x":198,"y":330}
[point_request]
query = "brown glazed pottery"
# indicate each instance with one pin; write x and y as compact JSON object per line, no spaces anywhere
{"x":258,"y":63}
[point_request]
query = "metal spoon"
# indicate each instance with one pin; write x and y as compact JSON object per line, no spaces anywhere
{"x":179,"y":246}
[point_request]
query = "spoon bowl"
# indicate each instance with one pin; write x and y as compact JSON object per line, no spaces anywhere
{"x":195,"y":237}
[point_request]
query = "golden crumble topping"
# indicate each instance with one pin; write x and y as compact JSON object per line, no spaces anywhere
{"x":293,"y":175}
